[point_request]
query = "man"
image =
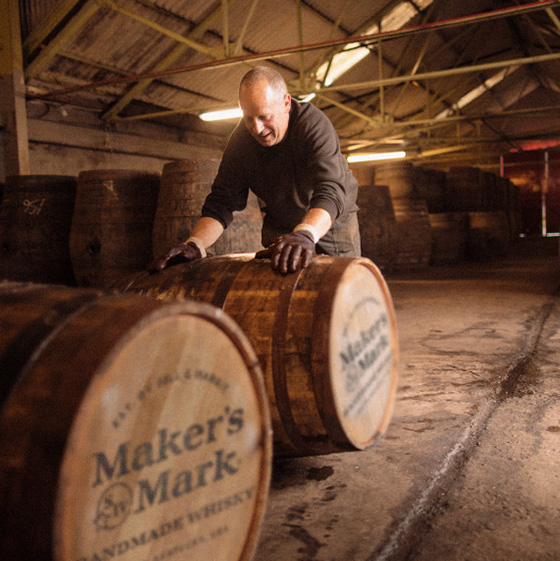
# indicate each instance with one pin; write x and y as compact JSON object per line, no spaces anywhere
{"x":288,"y":154}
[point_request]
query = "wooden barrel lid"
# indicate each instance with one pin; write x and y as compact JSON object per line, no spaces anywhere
{"x":357,"y":332}
{"x":142,"y":432}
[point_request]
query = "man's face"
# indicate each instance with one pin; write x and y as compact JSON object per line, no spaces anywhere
{"x":265,"y":113}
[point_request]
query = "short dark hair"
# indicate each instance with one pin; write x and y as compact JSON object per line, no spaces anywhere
{"x":269,"y":75}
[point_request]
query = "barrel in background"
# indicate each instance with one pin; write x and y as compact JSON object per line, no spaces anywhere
{"x":184,"y":187}
{"x":111,"y":233}
{"x":513,"y":209}
{"x":325,"y":337}
{"x":35,"y":221}
{"x":243,"y":235}
{"x":399,"y":177}
{"x":450,"y":237}
{"x":464,"y":190}
{"x":378,"y":225}
{"x":489,"y":235}
{"x":430,"y":187}
{"x":363,"y":172}
{"x":134,"y":428}
{"x":414,"y":234}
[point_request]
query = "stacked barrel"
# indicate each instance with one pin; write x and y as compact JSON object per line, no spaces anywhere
{"x":93,"y":229}
{"x":184,"y":187}
{"x":35,"y":217}
{"x":395,"y":234}
{"x":440,"y":217}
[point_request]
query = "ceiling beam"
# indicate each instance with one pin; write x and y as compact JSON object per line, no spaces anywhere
{"x":57,"y":15}
{"x":373,"y":84}
{"x":270,"y":55}
{"x":162,"y":66}
{"x":61,"y":39}
{"x":190,"y":43}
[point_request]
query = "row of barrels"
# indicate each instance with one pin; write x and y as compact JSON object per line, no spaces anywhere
{"x":411,"y":217}
{"x":401,"y":234}
{"x":460,"y":189}
{"x":92,"y":229}
{"x":142,"y":422}
{"x":105,"y":224}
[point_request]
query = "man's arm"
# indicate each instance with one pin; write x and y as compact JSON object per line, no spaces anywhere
{"x":317,"y":221}
{"x":206,"y":231}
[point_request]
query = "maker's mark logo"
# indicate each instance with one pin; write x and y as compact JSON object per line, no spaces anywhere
{"x":113,"y":507}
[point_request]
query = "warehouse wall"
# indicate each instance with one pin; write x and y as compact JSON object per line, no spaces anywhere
{"x":66,"y":140}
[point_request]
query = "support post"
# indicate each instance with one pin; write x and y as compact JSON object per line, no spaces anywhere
{"x":15,"y":142}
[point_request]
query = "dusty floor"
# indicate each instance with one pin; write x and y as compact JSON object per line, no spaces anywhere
{"x":469,"y":469}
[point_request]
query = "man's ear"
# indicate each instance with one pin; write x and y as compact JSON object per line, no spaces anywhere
{"x":287,"y":102}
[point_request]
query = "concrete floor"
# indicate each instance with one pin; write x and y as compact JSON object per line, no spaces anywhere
{"x":469,"y":469}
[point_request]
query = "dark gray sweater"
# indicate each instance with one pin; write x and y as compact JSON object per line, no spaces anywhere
{"x":306,"y":170}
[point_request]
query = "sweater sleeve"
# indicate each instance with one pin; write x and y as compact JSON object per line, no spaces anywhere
{"x":230,"y":188}
{"x":333,"y":186}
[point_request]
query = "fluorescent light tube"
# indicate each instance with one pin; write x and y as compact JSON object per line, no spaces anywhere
{"x":222,"y":115}
{"x":374,"y":157}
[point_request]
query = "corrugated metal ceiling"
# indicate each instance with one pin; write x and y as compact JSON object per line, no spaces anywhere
{"x":438,"y":75}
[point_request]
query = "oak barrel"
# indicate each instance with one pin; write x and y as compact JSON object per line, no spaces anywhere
{"x":363,"y":172}
{"x":185,"y":185}
{"x":111,"y":233}
{"x":244,"y":233}
{"x":430,"y":186}
{"x":399,"y":177}
{"x":378,"y":225}
{"x":464,"y":190}
{"x":414,"y":234}
{"x":35,"y":220}
{"x":450,"y":237}
{"x":325,"y":337}
{"x":138,"y":430}
{"x":489,"y":235}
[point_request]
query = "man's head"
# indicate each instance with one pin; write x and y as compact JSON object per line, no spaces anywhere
{"x":265,"y":101}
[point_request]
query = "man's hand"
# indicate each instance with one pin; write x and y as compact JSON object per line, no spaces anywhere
{"x":188,"y":251}
{"x":290,"y":251}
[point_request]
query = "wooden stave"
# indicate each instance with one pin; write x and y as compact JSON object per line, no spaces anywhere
{"x":39,"y":311}
{"x":414,"y":234}
{"x":399,"y":177}
{"x":122,"y":317}
{"x":184,"y":187}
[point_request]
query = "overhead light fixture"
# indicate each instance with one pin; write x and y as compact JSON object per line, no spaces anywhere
{"x":353,"y":53}
{"x":376,"y":157}
{"x":222,"y":115}
{"x":307,"y":97}
{"x":486,"y":86}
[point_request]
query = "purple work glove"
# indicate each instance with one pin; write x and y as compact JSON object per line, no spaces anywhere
{"x":179,"y":254}
{"x":290,"y":251}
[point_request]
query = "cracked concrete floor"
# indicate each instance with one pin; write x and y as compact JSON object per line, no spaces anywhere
{"x":468,"y":469}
